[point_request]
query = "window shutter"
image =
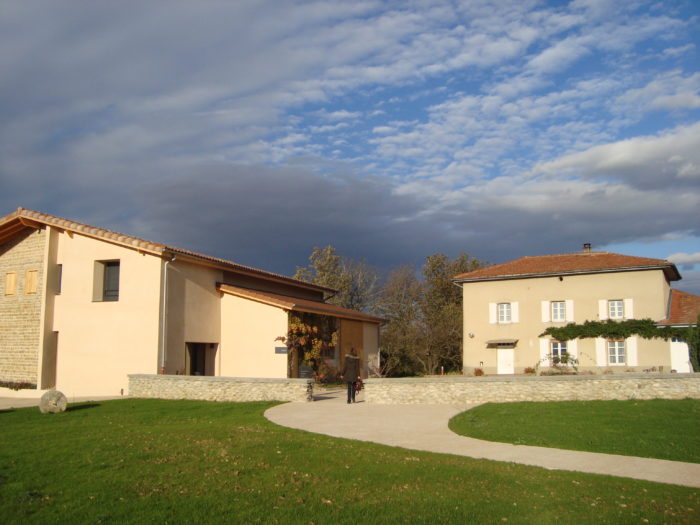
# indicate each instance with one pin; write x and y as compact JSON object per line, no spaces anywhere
{"x":570,"y":310}
{"x":631,"y":349}
{"x":544,"y":353}
{"x":601,"y":356}
{"x":514,"y":313}
{"x":546,"y":307}
{"x":30,"y":282}
{"x":629,"y":309}
{"x":572,"y":348}
{"x":603,"y":309}
{"x":10,"y":283}
{"x":492,"y":313}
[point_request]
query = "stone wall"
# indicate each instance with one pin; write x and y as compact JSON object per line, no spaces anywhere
{"x":208,"y":388}
{"x":469,"y":390}
{"x":20,"y":313}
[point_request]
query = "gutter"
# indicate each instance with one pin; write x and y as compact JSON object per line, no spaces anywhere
{"x":164,"y":318}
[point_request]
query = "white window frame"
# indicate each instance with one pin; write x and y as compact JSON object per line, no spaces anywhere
{"x":504,"y":313}
{"x":558,"y":311}
{"x":557,"y":349}
{"x":616,"y":309}
{"x":617,"y":353}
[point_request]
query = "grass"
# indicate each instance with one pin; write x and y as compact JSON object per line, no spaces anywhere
{"x":153,"y":461}
{"x":659,"y":428}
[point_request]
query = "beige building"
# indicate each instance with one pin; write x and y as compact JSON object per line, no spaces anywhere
{"x":508,"y":306}
{"x":82,"y":307}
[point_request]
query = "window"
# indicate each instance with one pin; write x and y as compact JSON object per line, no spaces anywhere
{"x":105,"y":285}
{"x":31,"y":278}
{"x":558,"y":311}
{"x":616,"y":309}
{"x":10,"y":283}
{"x":111,"y":282}
{"x":558,"y":351}
{"x":616,"y":352}
{"x":504,"y":313}
{"x":59,"y":278}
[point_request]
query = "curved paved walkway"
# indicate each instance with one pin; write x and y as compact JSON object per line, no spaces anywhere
{"x":424,"y":427}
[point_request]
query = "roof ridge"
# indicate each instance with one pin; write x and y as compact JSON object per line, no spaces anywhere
{"x":143,"y":244}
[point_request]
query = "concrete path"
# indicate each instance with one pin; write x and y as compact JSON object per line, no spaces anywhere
{"x":424,"y":427}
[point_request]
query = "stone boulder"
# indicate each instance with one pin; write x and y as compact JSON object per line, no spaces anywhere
{"x":53,"y":402}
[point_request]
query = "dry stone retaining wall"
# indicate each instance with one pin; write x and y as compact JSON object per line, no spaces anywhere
{"x":469,"y":390}
{"x":208,"y":388}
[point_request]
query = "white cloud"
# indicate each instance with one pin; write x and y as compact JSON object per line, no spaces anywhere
{"x":448,"y":104}
{"x":669,"y":159}
{"x":670,"y":90}
{"x":684,"y":258}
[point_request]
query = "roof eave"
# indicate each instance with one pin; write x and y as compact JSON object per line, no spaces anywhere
{"x":675,"y":276}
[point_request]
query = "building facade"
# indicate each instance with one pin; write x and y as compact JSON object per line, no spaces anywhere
{"x":508,"y":306}
{"x":82,"y":307}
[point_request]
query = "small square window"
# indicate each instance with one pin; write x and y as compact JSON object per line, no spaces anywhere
{"x":616,"y":309}
{"x":558,"y":351}
{"x":616,"y":352}
{"x":106,"y":281}
{"x":504,"y":313}
{"x":558,"y":311}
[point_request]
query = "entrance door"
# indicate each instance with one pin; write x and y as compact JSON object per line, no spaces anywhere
{"x":680,"y":361}
{"x":506,"y":361}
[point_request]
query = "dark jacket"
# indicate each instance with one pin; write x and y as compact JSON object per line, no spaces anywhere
{"x":351,"y":368}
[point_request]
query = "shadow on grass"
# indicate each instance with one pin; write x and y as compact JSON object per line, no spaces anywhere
{"x":82,"y":406}
{"x":7,"y":410}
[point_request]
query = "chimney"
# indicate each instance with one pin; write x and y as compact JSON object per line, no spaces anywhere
{"x":587,"y":247}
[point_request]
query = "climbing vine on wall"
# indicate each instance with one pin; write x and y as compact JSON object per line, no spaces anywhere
{"x":644,"y":328}
{"x":308,"y":336}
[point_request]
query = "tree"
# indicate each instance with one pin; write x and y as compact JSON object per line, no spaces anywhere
{"x":424,"y":328}
{"x":442,"y":311}
{"x":644,"y":328}
{"x":356,"y":282}
{"x":403,"y":335}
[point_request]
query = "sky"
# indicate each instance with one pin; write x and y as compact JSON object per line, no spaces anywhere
{"x":257,"y":130}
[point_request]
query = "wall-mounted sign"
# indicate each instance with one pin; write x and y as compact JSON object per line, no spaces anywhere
{"x":280,"y":349}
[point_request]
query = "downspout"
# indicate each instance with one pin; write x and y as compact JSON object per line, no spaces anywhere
{"x":164,"y":319}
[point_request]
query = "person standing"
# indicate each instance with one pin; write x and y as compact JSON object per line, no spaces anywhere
{"x":351,"y":373}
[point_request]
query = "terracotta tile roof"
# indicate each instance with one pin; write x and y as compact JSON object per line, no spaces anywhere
{"x":298,"y":305}
{"x":685,"y":308}
{"x":569,"y":264}
{"x":23,"y":218}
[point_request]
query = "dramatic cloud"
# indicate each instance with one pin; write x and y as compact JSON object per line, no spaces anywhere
{"x":257,"y":129}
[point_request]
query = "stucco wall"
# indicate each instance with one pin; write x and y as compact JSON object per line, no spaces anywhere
{"x":248,"y":332}
{"x":501,"y":389}
{"x":648,"y":290}
{"x":219,"y":388}
{"x":99,"y":343}
{"x":193,"y":311}
{"x":21,"y":314}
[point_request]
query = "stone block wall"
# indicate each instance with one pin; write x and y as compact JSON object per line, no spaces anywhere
{"x":208,"y":388}
{"x":470,"y":390}
{"x":20,"y":313}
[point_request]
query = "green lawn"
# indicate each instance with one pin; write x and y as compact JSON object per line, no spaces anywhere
{"x":659,"y":428}
{"x":151,"y":461}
